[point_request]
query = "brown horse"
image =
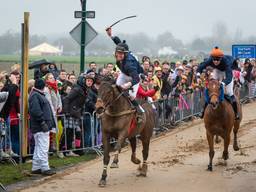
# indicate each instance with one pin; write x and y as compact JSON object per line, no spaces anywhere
{"x":219,"y":120}
{"x":117,"y":119}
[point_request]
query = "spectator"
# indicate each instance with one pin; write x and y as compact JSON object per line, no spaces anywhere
{"x":156,"y":63}
{"x":73,"y":105}
{"x":54,"y":70}
{"x":89,"y":108}
{"x":93,"y":66}
{"x":72,"y":78}
{"x":145,"y":58}
{"x":166,"y":89}
{"x":14,"y":117}
{"x":41,"y":121}
{"x":41,"y":71}
{"x":110,"y":67}
{"x":53,"y":96}
{"x":11,"y":86}
{"x":145,"y":66}
{"x":157,"y":79}
{"x":62,"y":76}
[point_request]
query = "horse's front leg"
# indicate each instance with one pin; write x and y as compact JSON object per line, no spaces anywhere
{"x":106,"y":159}
{"x":211,"y":149}
{"x":225,"y":155}
{"x":121,"y":137}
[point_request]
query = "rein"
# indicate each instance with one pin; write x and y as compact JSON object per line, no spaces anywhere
{"x":109,"y":104}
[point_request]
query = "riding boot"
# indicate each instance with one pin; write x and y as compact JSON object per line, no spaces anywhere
{"x":139,"y":110}
{"x":234,"y":105}
{"x":202,"y":112}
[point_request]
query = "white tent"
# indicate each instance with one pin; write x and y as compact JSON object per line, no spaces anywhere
{"x":45,"y":49}
{"x":166,"y":51}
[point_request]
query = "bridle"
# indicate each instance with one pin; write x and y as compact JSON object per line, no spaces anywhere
{"x":110,"y":103}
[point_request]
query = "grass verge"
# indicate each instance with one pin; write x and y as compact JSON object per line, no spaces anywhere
{"x":10,"y":174}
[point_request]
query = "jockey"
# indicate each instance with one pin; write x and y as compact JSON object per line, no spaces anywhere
{"x":130,"y":69}
{"x":222,"y":70}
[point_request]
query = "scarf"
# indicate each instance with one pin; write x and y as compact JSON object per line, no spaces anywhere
{"x":52,"y":85}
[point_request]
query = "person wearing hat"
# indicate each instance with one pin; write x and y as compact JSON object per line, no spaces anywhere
{"x":222,"y":70}
{"x":157,"y":80}
{"x":130,"y":69}
{"x":41,"y":121}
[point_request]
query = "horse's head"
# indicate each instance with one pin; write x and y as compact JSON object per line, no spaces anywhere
{"x":106,"y":94}
{"x":214,"y":91}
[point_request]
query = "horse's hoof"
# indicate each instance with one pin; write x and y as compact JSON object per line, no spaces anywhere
{"x":225,"y":156}
{"x":135,"y":160}
{"x":144,"y":170}
{"x":102,"y":183}
{"x":114,"y":166}
{"x":209,"y":168}
{"x":236,"y":148}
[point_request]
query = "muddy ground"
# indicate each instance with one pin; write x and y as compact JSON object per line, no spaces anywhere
{"x":177,"y":163}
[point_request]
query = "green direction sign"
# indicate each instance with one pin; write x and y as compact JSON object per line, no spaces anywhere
{"x":90,"y":33}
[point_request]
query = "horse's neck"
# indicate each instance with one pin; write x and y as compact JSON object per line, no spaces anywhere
{"x":121,"y":104}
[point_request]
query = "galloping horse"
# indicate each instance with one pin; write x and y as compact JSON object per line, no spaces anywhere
{"x":219,"y":120}
{"x":118,"y":120}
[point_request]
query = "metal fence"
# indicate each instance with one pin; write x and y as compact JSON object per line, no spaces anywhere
{"x":87,"y":136}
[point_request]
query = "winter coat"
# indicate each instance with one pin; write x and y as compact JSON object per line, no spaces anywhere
{"x":12,"y":99}
{"x":53,"y":98}
{"x":167,"y":88}
{"x":40,"y":110}
{"x":225,"y":66}
{"x":157,"y":82}
{"x":74,"y":102}
{"x":143,"y":93}
{"x":90,"y":101}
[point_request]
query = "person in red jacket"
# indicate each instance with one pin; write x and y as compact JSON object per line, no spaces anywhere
{"x":143,"y":91}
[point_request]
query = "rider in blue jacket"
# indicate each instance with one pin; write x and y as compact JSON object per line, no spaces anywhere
{"x":130,"y":70}
{"x":222,"y":65}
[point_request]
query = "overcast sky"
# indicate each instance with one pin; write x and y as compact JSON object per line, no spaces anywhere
{"x":186,"y":19}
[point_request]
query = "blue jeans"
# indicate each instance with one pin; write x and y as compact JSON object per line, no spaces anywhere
{"x":6,"y":139}
{"x":15,"y":138}
{"x":87,"y":130}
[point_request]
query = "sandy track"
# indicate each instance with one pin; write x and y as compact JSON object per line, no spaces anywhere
{"x":177,"y":162}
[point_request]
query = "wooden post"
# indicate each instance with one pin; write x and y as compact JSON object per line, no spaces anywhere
{"x":24,"y":103}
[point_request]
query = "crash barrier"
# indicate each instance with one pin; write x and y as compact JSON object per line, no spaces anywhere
{"x":84,"y":134}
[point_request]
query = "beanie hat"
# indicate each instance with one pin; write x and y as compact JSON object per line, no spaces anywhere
{"x":39,"y":84}
{"x":217,"y":52}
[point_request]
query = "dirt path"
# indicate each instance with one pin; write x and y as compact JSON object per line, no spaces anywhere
{"x":177,"y":162}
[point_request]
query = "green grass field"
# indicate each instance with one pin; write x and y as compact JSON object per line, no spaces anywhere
{"x":57,"y":59}
{"x":10,"y":174}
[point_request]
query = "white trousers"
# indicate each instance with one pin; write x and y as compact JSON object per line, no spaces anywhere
{"x":122,"y":79}
{"x":220,"y":75}
{"x":40,"y":156}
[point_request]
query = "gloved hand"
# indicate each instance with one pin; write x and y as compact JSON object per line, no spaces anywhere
{"x":156,"y":88}
{"x":126,"y":85}
{"x":44,"y":127}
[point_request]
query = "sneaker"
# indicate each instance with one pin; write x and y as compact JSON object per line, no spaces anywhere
{"x":12,"y":154}
{"x":37,"y":171}
{"x":71,"y":154}
{"x":60,"y":155}
{"x":3,"y":154}
{"x":48,"y":172}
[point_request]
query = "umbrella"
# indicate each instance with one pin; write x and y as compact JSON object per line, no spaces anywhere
{"x":37,"y":64}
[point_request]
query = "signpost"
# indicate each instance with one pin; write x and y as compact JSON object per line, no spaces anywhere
{"x":244,"y":51}
{"x":83,"y":33}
